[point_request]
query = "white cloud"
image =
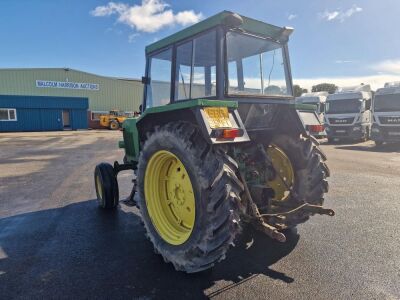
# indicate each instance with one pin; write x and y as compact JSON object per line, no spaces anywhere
{"x":376,"y":81}
{"x":292,"y":16}
{"x":391,"y":66}
{"x":150,"y":16}
{"x":340,"y":15}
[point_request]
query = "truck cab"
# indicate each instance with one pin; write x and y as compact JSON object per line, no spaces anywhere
{"x":386,"y":114}
{"x":348,"y":114}
{"x":317,"y":100}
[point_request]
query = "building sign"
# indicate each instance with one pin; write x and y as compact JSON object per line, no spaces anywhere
{"x":67,"y":85}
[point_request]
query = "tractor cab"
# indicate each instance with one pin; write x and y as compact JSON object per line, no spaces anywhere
{"x":231,"y":58}
{"x":224,"y":57}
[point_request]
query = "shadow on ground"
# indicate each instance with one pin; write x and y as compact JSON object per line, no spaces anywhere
{"x":385,"y":148}
{"x":80,"y":251}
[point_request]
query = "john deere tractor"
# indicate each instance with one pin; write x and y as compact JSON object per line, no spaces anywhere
{"x":219,"y":142}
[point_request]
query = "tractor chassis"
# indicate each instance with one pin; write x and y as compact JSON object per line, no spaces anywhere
{"x":253,"y":216}
{"x":259,"y":220}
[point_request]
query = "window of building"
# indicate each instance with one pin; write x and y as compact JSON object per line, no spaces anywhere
{"x":8,"y":114}
{"x":158,"y":90}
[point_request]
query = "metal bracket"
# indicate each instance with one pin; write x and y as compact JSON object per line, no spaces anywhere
{"x":122,"y":167}
{"x":130,"y":201}
{"x":257,"y":219}
{"x":315,"y":209}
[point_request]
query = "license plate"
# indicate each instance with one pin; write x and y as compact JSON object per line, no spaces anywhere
{"x":218,"y":117}
{"x":341,"y":131}
{"x":394,"y":133}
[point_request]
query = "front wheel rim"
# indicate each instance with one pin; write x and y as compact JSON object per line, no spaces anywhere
{"x":169,"y":197}
{"x":99,"y":187}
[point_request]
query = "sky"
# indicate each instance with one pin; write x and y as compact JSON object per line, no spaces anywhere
{"x":344,"y":42}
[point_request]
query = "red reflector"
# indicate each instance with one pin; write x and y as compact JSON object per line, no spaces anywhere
{"x":230,"y":133}
{"x":316,"y":128}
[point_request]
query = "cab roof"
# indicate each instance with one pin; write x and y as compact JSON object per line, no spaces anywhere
{"x":248,"y":25}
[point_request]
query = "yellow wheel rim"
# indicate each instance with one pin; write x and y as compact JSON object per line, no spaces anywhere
{"x":99,"y":187}
{"x":283,"y":180}
{"x":169,"y":197}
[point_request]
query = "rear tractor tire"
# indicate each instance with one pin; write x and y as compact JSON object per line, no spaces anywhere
{"x":106,"y":186}
{"x":305,"y":172}
{"x":188,"y":196}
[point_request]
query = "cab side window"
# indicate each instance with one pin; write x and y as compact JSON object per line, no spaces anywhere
{"x":195,"y":73}
{"x":183,"y":70}
{"x":158,"y":90}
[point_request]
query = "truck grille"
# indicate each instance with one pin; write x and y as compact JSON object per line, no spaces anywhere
{"x":390,"y":120}
{"x":339,"y":131}
{"x":390,"y":132}
{"x":341,"y":120}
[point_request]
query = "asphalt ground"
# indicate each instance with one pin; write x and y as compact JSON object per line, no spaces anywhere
{"x":56,"y":243}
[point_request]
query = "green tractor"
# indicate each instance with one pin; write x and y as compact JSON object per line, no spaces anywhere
{"x":219,"y":142}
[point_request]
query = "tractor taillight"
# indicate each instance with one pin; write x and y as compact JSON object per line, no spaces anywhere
{"x":316,"y":128}
{"x":231,"y":133}
{"x":227,"y":133}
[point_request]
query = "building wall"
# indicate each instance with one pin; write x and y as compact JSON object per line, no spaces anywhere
{"x":42,"y":113}
{"x":113,"y":93}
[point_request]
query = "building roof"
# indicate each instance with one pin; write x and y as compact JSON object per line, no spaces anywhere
{"x":69,"y":69}
{"x":249,"y":25}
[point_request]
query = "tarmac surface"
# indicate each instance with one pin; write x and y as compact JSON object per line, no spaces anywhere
{"x":56,"y":243}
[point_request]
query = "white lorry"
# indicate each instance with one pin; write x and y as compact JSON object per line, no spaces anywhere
{"x":386,"y":114}
{"x":318,"y":100}
{"x":348,"y":114}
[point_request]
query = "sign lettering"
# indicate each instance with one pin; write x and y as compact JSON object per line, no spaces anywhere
{"x":67,"y":85}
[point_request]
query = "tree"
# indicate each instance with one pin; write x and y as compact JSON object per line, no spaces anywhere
{"x":298,"y":90}
{"x":324,"y":87}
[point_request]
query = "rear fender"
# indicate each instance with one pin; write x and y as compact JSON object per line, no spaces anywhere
{"x":198,"y":116}
{"x":136,"y":130}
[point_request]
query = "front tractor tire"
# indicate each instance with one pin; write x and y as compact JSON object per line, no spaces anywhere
{"x":114,"y":125}
{"x":106,"y":186}
{"x":188,"y":196}
{"x":305,"y":172}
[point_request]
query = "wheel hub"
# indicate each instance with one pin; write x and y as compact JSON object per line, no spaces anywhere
{"x":169,"y":197}
{"x":282,"y":179}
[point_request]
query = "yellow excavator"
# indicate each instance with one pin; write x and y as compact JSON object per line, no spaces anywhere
{"x":113,"y":120}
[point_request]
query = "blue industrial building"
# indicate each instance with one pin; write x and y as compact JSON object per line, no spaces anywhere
{"x":42,"y":113}
{"x":41,"y":99}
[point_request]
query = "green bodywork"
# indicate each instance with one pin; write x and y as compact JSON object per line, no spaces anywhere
{"x":133,"y":127}
{"x":131,"y":142}
{"x":249,"y":25}
{"x":308,"y":107}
